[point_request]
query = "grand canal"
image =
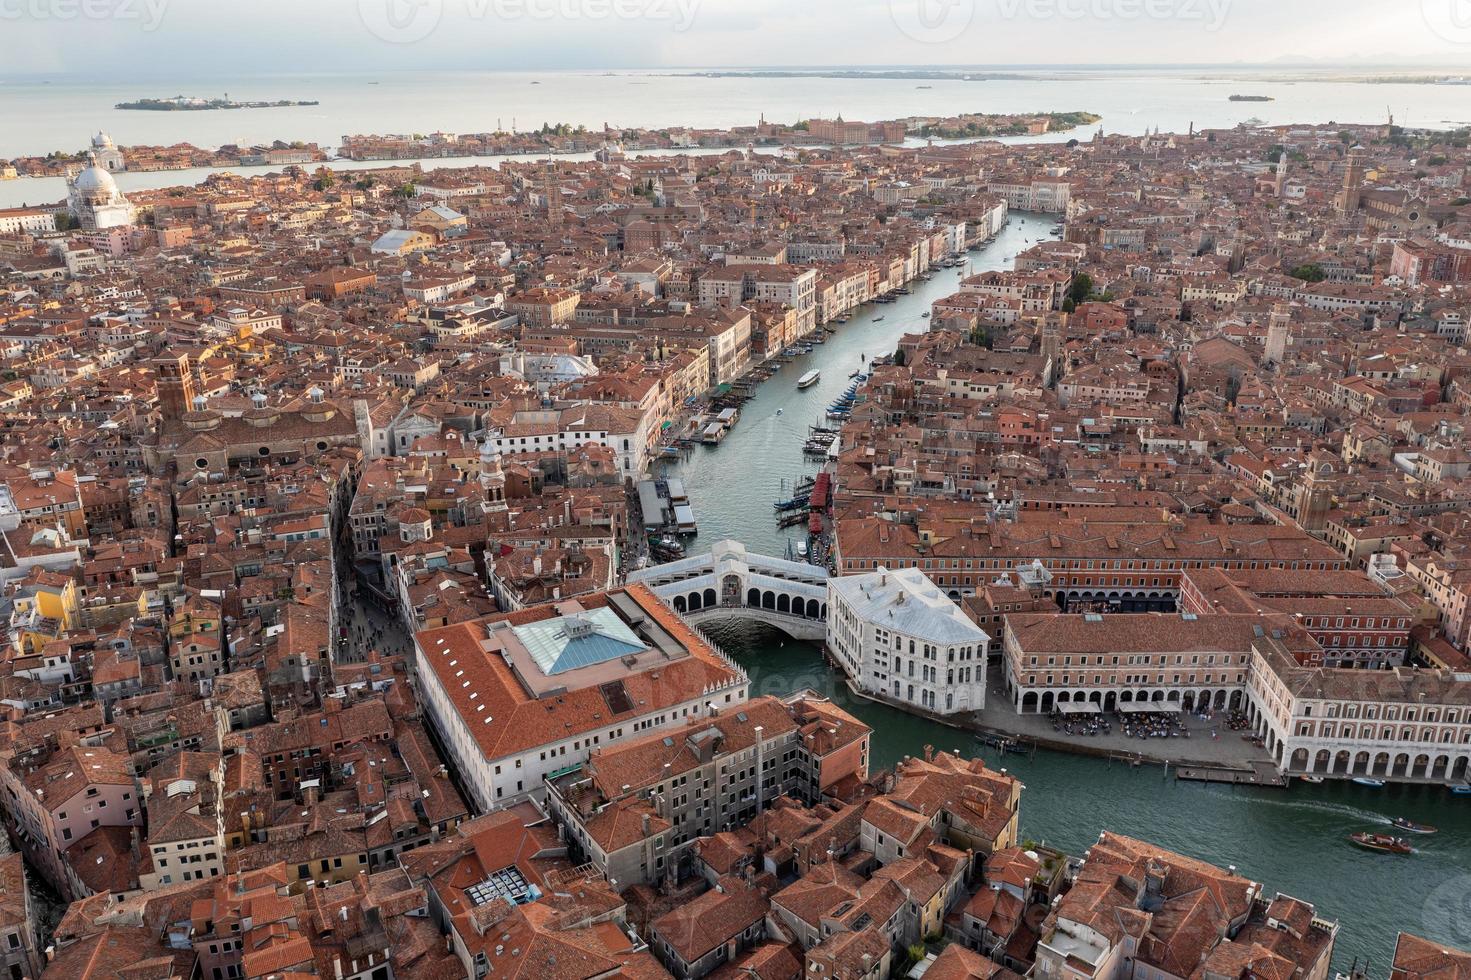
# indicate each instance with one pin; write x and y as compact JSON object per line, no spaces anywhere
{"x":1292,"y":841}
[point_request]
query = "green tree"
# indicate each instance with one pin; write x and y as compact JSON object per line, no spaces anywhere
{"x":1081,"y":289}
{"x":900,"y":358}
{"x":1312,"y":272}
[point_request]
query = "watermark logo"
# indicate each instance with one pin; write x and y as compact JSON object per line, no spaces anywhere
{"x":1449,"y":20}
{"x":932,"y":21}
{"x":1446,"y":914}
{"x":408,"y":21}
{"x":147,"y":14}
{"x":1208,"y":14}
{"x":401,"y":21}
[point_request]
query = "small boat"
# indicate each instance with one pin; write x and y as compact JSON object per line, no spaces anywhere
{"x":1410,"y":826}
{"x":1382,"y":843}
{"x":924,"y":316}
{"x":877,"y":319}
{"x":809,"y":379}
{"x":1311,"y":779}
{"x":1463,"y":790}
{"x":778,"y":411}
{"x":1369,"y":781}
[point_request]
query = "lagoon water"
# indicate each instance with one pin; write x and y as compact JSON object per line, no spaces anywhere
{"x":38,"y":116}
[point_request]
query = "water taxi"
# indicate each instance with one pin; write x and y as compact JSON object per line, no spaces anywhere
{"x":809,"y":379}
{"x":1383,"y":843}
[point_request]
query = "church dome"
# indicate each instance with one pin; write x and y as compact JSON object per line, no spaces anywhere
{"x":95,"y":181}
{"x":102,"y":142}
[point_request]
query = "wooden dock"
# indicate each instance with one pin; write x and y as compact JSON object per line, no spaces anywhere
{"x":1260,"y":774}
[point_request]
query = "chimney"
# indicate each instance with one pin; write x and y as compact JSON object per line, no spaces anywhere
{"x":646,"y":825}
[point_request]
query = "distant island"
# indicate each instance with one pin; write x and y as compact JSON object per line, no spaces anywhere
{"x":914,"y":74}
{"x":181,"y":103}
{"x":1252,"y":98}
{"x":972,"y":126}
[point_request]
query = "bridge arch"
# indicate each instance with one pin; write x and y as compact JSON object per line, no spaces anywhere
{"x":731,"y":583}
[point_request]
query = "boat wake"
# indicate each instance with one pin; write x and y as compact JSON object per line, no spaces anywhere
{"x":1341,"y":809}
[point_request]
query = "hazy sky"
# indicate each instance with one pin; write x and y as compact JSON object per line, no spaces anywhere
{"x":121,"y":38}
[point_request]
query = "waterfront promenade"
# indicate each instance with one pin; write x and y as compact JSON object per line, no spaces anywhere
{"x":1227,"y":749}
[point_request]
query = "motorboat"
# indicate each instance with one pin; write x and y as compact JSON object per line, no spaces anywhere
{"x":1311,"y":779}
{"x":809,"y":379}
{"x":1369,"y":781}
{"x":1411,"y":827}
{"x":1382,"y":843}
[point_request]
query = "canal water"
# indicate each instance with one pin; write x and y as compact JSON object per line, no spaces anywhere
{"x":1293,"y":841}
{"x":763,"y":453}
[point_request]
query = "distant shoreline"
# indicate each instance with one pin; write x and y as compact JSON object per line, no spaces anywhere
{"x":181,"y":104}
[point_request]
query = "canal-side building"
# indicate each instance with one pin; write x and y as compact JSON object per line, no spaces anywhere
{"x":635,"y":810}
{"x":1136,"y":910}
{"x":1132,"y":567}
{"x":1400,"y":724}
{"x":1415,"y":958}
{"x":515,"y":699}
{"x":899,"y":637}
{"x":1354,"y":618}
{"x":1096,"y":662}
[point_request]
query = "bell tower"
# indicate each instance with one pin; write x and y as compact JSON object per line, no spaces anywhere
{"x":175,"y":386}
{"x":1277,"y":334}
{"x":1353,"y":177}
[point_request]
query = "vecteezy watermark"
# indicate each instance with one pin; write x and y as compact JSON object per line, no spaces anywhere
{"x":408,"y":21}
{"x":1209,"y":14}
{"x":1446,"y":914}
{"x":148,"y":14}
{"x":1450,"y":20}
{"x":941,"y":21}
{"x":932,"y":21}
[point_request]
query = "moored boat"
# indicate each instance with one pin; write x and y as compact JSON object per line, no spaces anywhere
{"x":1383,"y":843}
{"x":1369,"y":781}
{"x":1410,"y":826}
{"x":1311,"y":779}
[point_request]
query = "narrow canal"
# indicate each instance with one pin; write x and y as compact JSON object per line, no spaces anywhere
{"x":1292,"y":841}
